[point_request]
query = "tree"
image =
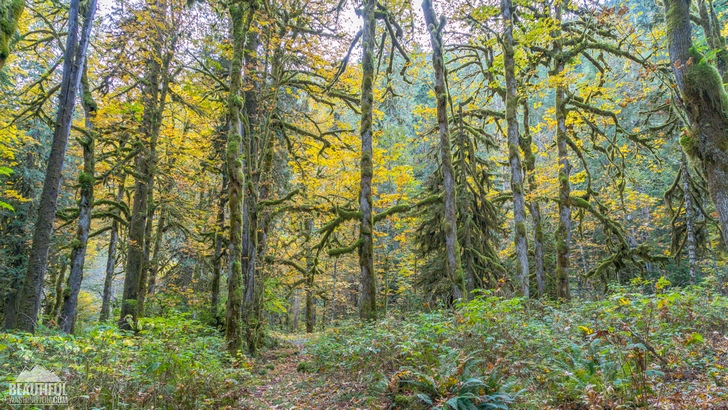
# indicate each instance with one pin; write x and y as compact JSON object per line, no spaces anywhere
{"x":86,"y":179}
{"x":240,"y":19}
{"x":73,"y":63}
{"x":157,"y":79}
{"x":368,"y":299}
{"x":453,"y":262}
{"x":706,"y":102}
{"x":10,"y":13}
{"x":514,"y":155}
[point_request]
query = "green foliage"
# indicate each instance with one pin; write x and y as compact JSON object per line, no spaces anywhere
{"x":456,"y":385}
{"x":173,"y":362}
{"x":629,"y":349}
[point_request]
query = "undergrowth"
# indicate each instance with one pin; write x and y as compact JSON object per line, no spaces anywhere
{"x":665,"y":349}
{"x":171,"y":363}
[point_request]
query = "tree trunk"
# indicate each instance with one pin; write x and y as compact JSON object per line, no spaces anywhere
{"x":74,"y":60}
{"x":689,"y":221}
{"x":217,"y":261}
{"x":252,"y":299}
{"x":238,"y":12}
{"x":368,"y":299}
{"x":706,"y":103}
{"x":58,"y":290}
{"x":529,"y":164}
{"x":333,"y":293}
{"x":296,"y":311}
{"x":563,"y":232}
{"x":111,"y":259}
{"x":514,"y":155}
{"x":86,"y":180}
{"x":309,"y":303}
{"x":10,"y":13}
{"x":452,"y":249}
{"x":154,"y":263}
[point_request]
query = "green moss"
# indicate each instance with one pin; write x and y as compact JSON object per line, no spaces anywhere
{"x":366,"y":164}
{"x":88,"y":101}
{"x":676,"y":16}
{"x":563,"y":178}
{"x":521,"y":228}
{"x":10,"y":13}
{"x":85,"y":179}
{"x":579,"y":202}
{"x":690,"y":145}
{"x":702,"y":80}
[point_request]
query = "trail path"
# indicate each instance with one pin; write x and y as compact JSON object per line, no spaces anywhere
{"x":280,"y":385}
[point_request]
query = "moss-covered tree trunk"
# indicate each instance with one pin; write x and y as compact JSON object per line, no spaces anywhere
{"x":514,"y":154}
{"x":238,"y":11}
{"x":309,"y":280}
{"x":86,"y":181}
{"x":58,"y":289}
{"x":368,"y":296}
{"x":217,"y":257}
{"x":156,"y":252}
{"x":111,"y":258}
{"x":254,"y":150}
{"x":706,"y":102}
{"x":10,"y":13}
{"x":563,"y":231}
{"x":74,"y":60}
{"x":529,"y":165}
{"x":689,"y":221}
{"x":452,"y":249}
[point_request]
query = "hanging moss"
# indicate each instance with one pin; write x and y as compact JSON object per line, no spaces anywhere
{"x":10,"y":12}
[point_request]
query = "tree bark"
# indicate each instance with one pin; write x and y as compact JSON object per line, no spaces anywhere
{"x":217,"y":261}
{"x":333,"y":293}
{"x":452,"y":249}
{"x":514,"y":155}
{"x":154,"y":263}
{"x":563,"y":232}
{"x":86,"y":180}
{"x":74,"y":60}
{"x":368,"y":280}
{"x":10,"y":13}
{"x":689,"y":221}
{"x":706,"y":102}
{"x":529,"y":164}
{"x":111,"y":258}
{"x":239,"y":13}
{"x":58,"y":290}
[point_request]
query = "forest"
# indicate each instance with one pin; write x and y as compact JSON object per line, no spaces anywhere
{"x":364,"y":204}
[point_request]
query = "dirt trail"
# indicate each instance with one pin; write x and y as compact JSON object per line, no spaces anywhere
{"x":280,"y":385}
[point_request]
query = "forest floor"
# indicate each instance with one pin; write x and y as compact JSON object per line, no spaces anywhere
{"x":282,"y":381}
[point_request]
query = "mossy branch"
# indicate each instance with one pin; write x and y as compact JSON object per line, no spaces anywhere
{"x":348,"y":249}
